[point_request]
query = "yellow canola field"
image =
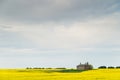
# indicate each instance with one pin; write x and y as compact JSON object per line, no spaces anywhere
{"x":31,"y":74}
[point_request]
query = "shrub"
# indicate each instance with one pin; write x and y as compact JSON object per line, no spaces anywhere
{"x":60,"y":68}
{"x":28,"y":68}
{"x":48,"y":68}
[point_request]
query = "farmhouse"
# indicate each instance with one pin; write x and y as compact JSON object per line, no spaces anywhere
{"x":85,"y":66}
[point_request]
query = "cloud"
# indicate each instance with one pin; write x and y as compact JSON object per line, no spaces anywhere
{"x":38,"y":11}
{"x":15,"y":51}
{"x":99,"y":32}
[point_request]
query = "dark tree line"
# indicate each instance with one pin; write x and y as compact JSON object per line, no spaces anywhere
{"x":109,"y":67}
{"x":44,"y":68}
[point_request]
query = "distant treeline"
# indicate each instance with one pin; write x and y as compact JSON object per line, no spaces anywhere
{"x":44,"y":68}
{"x":109,"y":67}
{"x":100,"y":67}
{"x":50,"y":70}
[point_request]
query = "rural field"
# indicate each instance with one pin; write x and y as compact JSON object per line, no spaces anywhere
{"x":58,"y":74}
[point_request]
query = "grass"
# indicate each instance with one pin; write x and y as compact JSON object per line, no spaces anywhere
{"x":59,"y":74}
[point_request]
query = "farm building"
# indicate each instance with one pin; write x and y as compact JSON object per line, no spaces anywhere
{"x":85,"y":66}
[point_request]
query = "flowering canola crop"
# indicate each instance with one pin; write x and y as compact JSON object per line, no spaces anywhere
{"x":36,"y":74}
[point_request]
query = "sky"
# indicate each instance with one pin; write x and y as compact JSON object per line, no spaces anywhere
{"x":59,"y":33}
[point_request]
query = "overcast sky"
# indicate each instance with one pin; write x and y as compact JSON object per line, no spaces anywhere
{"x":59,"y":33}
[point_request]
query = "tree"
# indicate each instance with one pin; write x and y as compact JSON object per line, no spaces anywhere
{"x":118,"y":67}
{"x":111,"y":67}
{"x":102,"y":67}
